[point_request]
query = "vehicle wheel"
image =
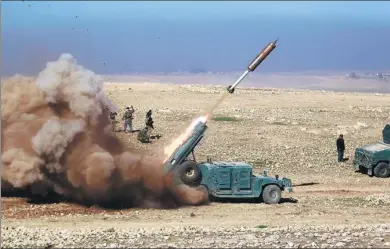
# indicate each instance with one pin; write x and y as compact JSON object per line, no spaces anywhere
{"x":271,"y":194}
{"x":189,"y":172}
{"x":382,"y":170}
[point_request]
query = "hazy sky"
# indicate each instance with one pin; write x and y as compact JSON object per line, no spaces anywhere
{"x":123,"y":37}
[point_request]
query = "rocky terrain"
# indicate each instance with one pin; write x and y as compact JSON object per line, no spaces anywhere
{"x":201,"y":237}
{"x":286,"y":132}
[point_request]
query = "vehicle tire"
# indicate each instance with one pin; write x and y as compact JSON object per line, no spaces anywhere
{"x":189,"y":172}
{"x":271,"y":194}
{"x":382,"y":170}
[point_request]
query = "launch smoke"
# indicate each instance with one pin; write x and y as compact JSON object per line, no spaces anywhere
{"x":210,"y":111}
{"x":56,"y":136}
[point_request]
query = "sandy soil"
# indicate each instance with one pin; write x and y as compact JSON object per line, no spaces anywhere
{"x":287,"y":132}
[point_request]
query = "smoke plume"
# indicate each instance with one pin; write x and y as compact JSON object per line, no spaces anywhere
{"x":56,"y":136}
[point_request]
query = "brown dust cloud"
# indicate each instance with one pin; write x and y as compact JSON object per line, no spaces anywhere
{"x":56,"y":138}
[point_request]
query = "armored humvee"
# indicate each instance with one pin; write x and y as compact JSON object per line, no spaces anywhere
{"x":223,"y":179}
{"x":374,"y":159}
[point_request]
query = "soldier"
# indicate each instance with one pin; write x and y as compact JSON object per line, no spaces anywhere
{"x":340,"y":148}
{"x":128,"y":117}
{"x":143,"y":136}
{"x":113,"y":120}
{"x":149,"y":122}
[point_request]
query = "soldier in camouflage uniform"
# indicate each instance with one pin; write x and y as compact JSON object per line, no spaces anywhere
{"x":149,"y":122}
{"x":144,"y":134}
{"x":128,"y":117}
{"x":113,"y":120}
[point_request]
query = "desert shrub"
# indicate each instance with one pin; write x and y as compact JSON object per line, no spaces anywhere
{"x":225,"y":118}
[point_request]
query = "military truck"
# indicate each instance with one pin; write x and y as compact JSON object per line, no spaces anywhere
{"x":223,"y":179}
{"x":374,"y":159}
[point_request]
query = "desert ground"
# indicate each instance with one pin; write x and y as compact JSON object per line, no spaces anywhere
{"x":287,"y":132}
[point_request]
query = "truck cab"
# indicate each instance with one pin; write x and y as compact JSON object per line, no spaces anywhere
{"x":374,"y":159}
{"x":223,"y":179}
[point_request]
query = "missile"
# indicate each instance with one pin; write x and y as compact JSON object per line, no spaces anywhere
{"x":254,"y":64}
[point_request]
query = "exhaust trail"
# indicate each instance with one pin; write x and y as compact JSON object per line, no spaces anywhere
{"x":251,"y":67}
{"x":230,"y":89}
{"x":211,"y":110}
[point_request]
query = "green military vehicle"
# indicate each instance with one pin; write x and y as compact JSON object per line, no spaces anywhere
{"x":374,"y":159}
{"x":223,"y":179}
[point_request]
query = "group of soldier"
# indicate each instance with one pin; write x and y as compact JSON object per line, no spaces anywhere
{"x":144,"y":134}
